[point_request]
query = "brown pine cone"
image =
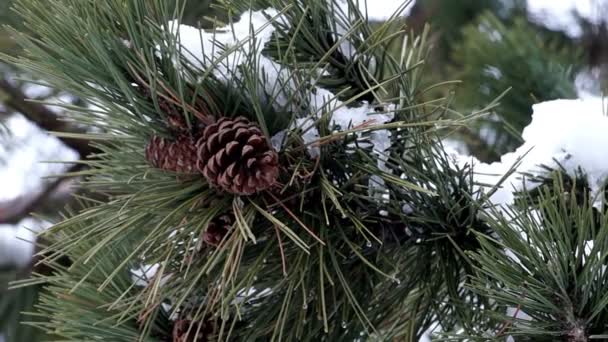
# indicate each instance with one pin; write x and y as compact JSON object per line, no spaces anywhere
{"x":235,"y":156}
{"x":181,"y":334}
{"x":177,"y":122}
{"x":177,"y":156}
{"x":217,"y":230}
{"x":174,"y":117}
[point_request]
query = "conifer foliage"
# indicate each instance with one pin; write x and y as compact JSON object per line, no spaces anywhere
{"x":278,"y":177}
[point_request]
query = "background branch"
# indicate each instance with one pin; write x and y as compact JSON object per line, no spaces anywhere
{"x":14,"y":211}
{"x":13,"y":98}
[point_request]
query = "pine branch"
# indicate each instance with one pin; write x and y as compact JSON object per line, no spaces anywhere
{"x":336,"y":256}
{"x":547,"y":262}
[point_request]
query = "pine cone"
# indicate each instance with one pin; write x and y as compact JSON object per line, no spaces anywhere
{"x":181,"y":327}
{"x":177,"y":156}
{"x":217,"y":230}
{"x":235,"y":156}
{"x":177,"y":122}
{"x":174,"y":117}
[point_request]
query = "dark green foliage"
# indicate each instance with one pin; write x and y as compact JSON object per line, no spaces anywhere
{"x":354,"y":61}
{"x":576,"y":186}
{"x":548,"y":261}
{"x":202,"y":12}
{"x":449,"y":17}
{"x":12,"y":303}
{"x":318,"y":242}
{"x":441,"y":227}
{"x":88,"y":298}
{"x":353,"y":244}
{"x":6,"y":17}
{"x":493,"y":58}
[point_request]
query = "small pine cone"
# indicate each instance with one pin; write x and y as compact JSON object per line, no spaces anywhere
{"x":177,"y":156}
{"x":217,"y":230}
{"x":181,"y":333}
{"x":177,"y":122}
{"x":174,"y":117}
{"x":235,"y":156}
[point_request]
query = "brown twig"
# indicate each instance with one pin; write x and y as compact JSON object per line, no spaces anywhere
{"x":295,"y":218}
{"x":508,"y":324}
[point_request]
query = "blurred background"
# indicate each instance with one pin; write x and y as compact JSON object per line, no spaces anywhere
{"x":538,"y":50}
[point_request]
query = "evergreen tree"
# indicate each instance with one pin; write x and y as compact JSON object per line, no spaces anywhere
{"x":275,"y":170}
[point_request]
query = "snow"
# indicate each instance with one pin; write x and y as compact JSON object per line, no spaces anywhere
{"x":310,"y":135}
{"x":588,"y":84}
{"x":17,"y":243}
{"x":23,"y":152}
{"x":378,"y":10}
{"x":25,"y":161}
{"x":455,"y":146}
{"x":560,"y":14}
{"x":33,"y":90}
{"x":145,"y":273}
{"x":228,"y":47}
{"x":427,"y":336}
{"x":568,"y":132}
{"x":278,"y":140}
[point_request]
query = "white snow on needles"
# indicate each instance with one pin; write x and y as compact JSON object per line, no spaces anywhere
{"x":379,"y":10}
{"x":203,"y":47}
{"x":206,"y":48}
{"x":570,"y":133}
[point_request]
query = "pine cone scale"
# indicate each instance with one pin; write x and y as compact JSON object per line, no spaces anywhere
{"x":247,"y":151}
{"x":241,"y":134}
{"x":226,"y":136}
{"x":233,"y":148}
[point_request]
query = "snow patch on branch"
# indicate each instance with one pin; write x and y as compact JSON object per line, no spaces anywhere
{"x":236,"y":44}
{"x":231,"y":46}
{"x":570,"y":133}
{"x":377,"y":10}
{"x":145,"y":274}
{"x":235,"y":40}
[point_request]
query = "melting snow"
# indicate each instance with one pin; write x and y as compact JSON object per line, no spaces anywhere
{"x":569,"y":132}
